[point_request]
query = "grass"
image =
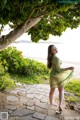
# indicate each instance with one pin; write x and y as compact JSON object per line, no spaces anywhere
{"x":73,"y":87}
{"x":72,"y":98}
{"x":31,"y":79}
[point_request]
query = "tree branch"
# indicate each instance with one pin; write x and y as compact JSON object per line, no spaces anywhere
{"x":13,"y":35}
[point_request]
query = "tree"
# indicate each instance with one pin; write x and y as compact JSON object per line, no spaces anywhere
{"x":39,"y":18}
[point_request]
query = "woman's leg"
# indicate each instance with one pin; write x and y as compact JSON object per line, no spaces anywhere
{"x":51,"y":95}
{"x":61,"y":97}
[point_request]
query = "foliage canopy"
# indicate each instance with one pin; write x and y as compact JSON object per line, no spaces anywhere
{"x":56,"y":16}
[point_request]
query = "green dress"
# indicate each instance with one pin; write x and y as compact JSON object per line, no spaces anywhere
{"x":59,"y":76}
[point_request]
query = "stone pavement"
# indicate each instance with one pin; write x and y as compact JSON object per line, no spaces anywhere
{"x":30,"y":102}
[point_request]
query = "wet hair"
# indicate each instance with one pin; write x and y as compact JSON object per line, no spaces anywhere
{"x":49,"y":57}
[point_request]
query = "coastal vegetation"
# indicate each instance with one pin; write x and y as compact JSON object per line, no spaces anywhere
{"x":22,"y":69}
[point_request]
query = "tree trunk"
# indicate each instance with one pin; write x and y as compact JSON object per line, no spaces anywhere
{"x":13,"y":35}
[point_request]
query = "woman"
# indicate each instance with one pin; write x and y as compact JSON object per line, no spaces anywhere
{"x":58,"y":76}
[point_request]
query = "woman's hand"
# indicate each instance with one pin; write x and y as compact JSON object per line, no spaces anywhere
{"x":71,"y":68}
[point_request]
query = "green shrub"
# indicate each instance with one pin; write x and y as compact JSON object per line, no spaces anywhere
{"x":5,"y":81}
{"x":34,"y":68}
{"x":74,"y":86}
{"x":13,"y":60}
{"x":1,"y":69}
{"x":30,"y":71}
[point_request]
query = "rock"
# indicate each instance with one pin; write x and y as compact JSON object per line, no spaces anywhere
{"x":12,"y":98}
{"x":23,"y":100}
{"x":26,"y":118}
{"x":14,"y":92}
{"x":38,"y":96}
{"x":30,"y":95}
{"x":51,"y":118}
{"x":14,"y":118}
{"x":51,"y":112}
{"x":68,"y":93}
{"x":9,"y":107}
{"x":40,"y":110}
{"x":21,"y":112}
{"x":19,"y":84}
{"x":30,"y":103}
{"x":21,"y":93}
{"x":30,"y":107}
{"x":9,"y":111}
{"x":45,"y":99}
{"x":39,"y":116}
{"x":42,"y":105}
{"x":31,"y":90}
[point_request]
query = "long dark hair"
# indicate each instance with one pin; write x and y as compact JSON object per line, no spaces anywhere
{"x":49,"y":57}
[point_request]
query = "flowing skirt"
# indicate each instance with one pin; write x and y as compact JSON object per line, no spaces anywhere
{"x":61,"y":78}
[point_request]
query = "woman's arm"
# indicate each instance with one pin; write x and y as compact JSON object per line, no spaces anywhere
{"x":69,"y":68}
{"x":58,"y":65}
